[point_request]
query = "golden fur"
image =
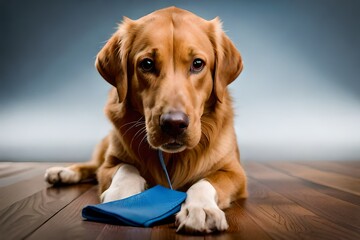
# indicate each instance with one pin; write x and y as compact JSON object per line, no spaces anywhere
{"x":173,"y":38}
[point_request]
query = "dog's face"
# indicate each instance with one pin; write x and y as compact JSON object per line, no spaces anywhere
{"x":172,"y":77}
{"x":171,"y":66}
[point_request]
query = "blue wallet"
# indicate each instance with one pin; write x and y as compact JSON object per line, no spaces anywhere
{"x":141,"y":210}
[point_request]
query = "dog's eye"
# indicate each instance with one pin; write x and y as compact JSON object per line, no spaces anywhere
{"x":197,"y":65}
{"x":147,"y":65}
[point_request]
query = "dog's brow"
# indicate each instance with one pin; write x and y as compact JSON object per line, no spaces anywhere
{"x":191,"y":52}
{"x":154,"y":52}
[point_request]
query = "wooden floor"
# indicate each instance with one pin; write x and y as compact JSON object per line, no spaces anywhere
{"x":288,"y":200}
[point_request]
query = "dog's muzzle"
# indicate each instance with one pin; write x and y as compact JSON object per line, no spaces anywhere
{"x":174,"y":124}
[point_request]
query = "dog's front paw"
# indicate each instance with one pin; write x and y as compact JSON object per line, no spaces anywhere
{"x":200,"y":213}
{"x":65,"y":175}
{"x":196,"y":219}
{"x":117,"y":193}
{"x":126,"y":182}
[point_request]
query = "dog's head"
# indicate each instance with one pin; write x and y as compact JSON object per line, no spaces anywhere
{"x":170,"y":66}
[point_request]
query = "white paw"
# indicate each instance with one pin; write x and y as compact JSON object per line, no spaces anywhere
{"x":55,"y":175}
{"x":125,"y":183}
{"x":118,"y":193}
{"x":200,"y":213}
{"x":195,"y":219}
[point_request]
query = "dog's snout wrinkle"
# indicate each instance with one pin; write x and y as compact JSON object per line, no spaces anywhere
{"x":174,"y":123}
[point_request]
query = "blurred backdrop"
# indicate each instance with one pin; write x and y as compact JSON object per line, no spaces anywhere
{"x":298,"y":97}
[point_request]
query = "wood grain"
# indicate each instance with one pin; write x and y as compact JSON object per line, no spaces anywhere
{"x":31,"y":212}
{"x":241,"y":225}
{"x":17,"y":172}
{"x":10,"y":170}
{"x":124,"y":232}
{"x":165,"y":233}
{"x":328,"y":207}
{"x":284,"y":219}
{"x":22,"y":184}
{"x":347,"y":197}
{"x":68,"y":223}
{"x":299,"y":200}
{"x":334,"y":180}
{"x":335,"y":167}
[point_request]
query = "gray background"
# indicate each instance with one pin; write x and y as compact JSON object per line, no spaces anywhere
{"x":298,"y":97}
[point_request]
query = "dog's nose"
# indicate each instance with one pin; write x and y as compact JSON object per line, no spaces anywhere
{"x":174,"y":123}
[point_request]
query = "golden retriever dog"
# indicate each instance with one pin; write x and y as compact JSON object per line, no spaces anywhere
{"x":169,"y":71}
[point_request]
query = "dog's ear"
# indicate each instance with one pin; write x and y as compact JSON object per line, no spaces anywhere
{"x":111,"y":61}
{"x":228,"y":62}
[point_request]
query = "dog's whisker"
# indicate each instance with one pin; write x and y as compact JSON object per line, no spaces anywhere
{"x":142,"y":140}
{"x":137,"y":124}
{"x":138,"y":133}
{"x":132,"y":122}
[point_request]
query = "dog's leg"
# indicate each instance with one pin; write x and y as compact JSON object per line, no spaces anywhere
{"x":125,"y":182}
{"x":200,"y":212}
{"x":78,"y":172}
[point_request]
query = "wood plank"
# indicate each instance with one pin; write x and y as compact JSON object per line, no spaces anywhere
{"x":68,"y":223}
{"x":282,"y":218}
{"x":281,"y":205}
{"x":344,"y":196}
{"x":335,"y":167}
{"x":34,"y":169}
{"x":23,"y":217}
{"x":7,"y":170}
{"x":335,"y":180}
{"x":294,"y":189}
{"x":24,"y":184}
{"x":22,"y":176}
{"x":352,"y":164}
{"x":4,"y":166}
{"x":241,"y":225}
{"x":124,"y":232}
{"x":18,"y":191}
{"x":169,"y":232}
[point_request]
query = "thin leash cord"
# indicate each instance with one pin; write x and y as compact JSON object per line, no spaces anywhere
{"x":164,"y":167}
